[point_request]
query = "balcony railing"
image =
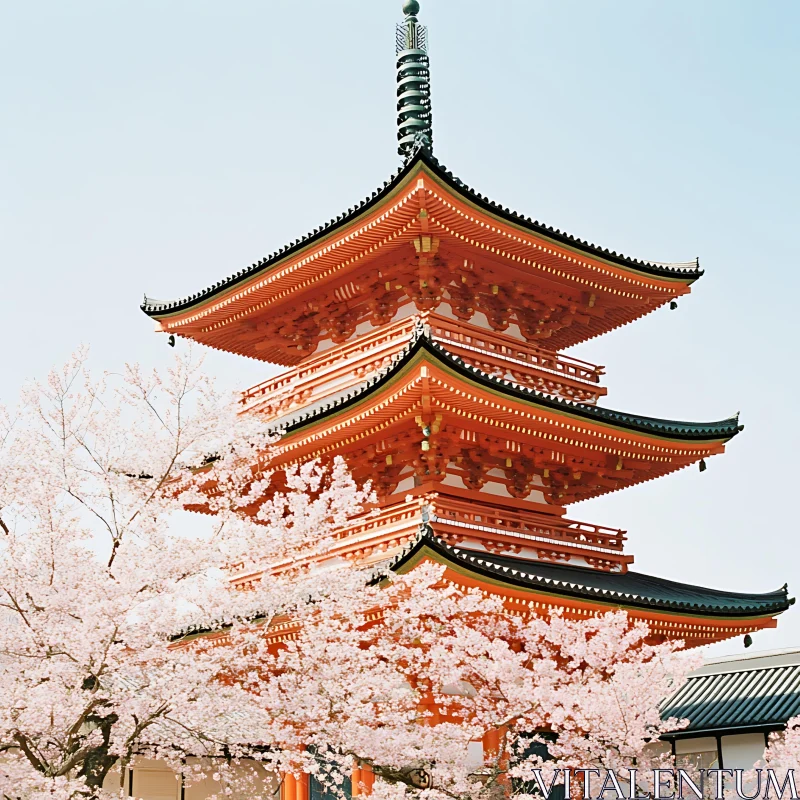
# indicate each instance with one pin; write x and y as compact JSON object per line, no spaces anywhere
{"x":337,"y":358}
{"x":537,"y":528}
{"x":470,"y":337}
{"x":498,"y":353}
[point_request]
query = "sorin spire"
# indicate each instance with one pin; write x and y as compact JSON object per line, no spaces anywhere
{"x":414,"y":123}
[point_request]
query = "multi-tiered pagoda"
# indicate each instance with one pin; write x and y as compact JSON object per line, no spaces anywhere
{"x":422,"y":333}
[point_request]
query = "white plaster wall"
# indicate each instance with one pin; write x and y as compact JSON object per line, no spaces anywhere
{"x":739,"y":751}
{"x":405,"y":485}
{"x":700,"y":744}
{"x":475,"y":754}
{"x":264,"y":783}
{"x":111,"y":783}
{"x":480,"y":320}
{"x":454,"y":480}
{"x":154,"y":780}
{"x":536,"y":496}
{"x":495,"y":488}
{"x":501,"y":490}
{"x":407,"y":309}
{"x":363,"y":327}
{"x":444,"y":310}
{"x":742,"y":750}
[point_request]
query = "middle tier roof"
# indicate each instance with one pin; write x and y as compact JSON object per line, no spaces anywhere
{"x":432,"y":413}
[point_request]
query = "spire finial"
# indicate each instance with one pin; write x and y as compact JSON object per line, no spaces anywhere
{"x":414,"y":126}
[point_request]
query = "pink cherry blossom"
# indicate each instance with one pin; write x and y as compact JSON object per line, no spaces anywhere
{"x":124,"y":639}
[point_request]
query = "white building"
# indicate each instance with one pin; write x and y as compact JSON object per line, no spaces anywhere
{"x":733,"y":704}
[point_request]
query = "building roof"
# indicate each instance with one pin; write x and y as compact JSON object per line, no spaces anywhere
{"x":685,"y":273}
{"x":630,"y":589}
{"x":758,"y":692}
{"x":421,"y":341}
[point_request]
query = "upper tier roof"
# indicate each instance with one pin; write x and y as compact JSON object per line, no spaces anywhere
{"x":688,"y":272}
{"x":548,"y":259}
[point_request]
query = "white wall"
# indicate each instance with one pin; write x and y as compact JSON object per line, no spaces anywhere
{"x":742,"y":750}
{"x":154,"y":780}
{"x":699,"y":744}
{"x":739,"y":751}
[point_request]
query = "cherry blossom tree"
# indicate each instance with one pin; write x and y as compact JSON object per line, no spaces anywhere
{"x":780,"y":762}
{"x":96,"y":576}
{"x":594,"y":686}
{"x":124,"y":639}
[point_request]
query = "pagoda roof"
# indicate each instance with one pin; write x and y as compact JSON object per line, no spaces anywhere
{"x":684,"y":274}
{"x":422,"y":343}
{"x":629,"y":589}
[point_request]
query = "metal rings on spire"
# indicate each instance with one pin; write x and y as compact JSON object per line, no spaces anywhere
{"x":414,"y":123}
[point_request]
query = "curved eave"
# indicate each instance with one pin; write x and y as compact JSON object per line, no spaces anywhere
{"x":421,"y":160}
{"x":686,"y":275}
{"x":422,"y":347}
{"x":576,"y":585}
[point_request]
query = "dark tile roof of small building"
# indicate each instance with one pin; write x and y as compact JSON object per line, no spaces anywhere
{"x":687,"y":272}
{"x":722,"y":429}
{"x":630,"y":589}
{"x":730,"y":697}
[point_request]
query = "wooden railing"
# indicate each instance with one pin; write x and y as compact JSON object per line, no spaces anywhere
{"x":470,"y":337}
{"x":537,"y":527}
{"x":364,"y":355}
{"x":341,"y":355}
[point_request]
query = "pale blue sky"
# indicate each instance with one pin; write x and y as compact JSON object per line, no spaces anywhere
{"x":160,"y":146}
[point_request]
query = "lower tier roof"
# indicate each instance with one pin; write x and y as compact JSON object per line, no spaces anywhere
{"x":480,"y":423}
{"x":629,"y":590}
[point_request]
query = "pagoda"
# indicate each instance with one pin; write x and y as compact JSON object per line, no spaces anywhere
{"x":422,"y":333}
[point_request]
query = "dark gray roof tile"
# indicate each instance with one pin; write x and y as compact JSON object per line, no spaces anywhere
{"x":766,"y":697}
{"x":633,"y":589}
